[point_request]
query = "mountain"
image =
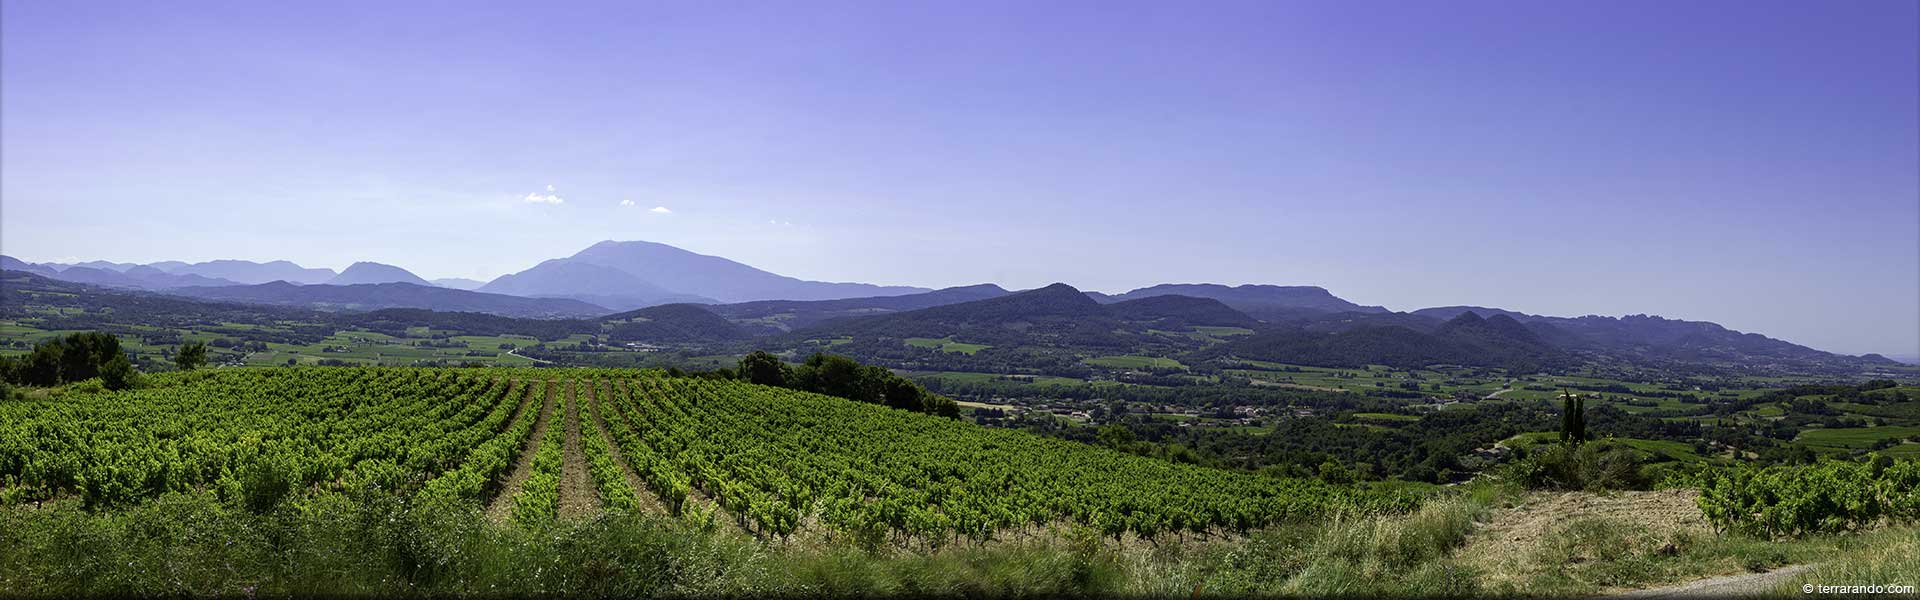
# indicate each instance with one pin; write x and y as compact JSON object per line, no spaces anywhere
{"x":373,"y":296}
{"x":1053,"y":316}
{"x":106,"y":266}
{"x":152,"y":278}
{"x":1655,"y":338}
{"x":1179,"y":312}
{"x":458,"y":283}
{"x":373,"y":272}
{"x":100,"y":277}
{"x":9,"y":263}
{"x":1466,"y":339}
{"x":113,"y":275}
{"x":248,"y":272}
{"x":671,"y":323}
{"x":588,"y":282}
{"x":1272,"y":303}
{"x":788,"y":315}
{"x":710,"y":276}
{"x":1349,"y":321}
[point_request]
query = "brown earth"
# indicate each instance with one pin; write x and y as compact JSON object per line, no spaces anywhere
{"x":502,"y":505}
{"x":649,"y":503}
{"x":578,"y":496}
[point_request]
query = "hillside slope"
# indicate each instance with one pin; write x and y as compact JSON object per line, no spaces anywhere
{"x":394,"y":295}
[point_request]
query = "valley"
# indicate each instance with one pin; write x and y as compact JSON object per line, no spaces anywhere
{"x":1138,"y":441}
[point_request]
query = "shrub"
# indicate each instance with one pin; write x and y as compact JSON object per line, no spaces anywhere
{"x":1593,"y":466}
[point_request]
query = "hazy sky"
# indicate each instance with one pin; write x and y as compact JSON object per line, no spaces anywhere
{"x":1751,"y":163}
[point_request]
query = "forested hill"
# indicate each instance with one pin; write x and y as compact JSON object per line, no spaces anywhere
{"x":372,"y":296}
{"x":1055,"y":315}
{"x":1655,"y":337}
{"x":1266,"y":302}
{"x":671,"y":323}
{"x":786,"y":315}
{"x":1465,"y":340}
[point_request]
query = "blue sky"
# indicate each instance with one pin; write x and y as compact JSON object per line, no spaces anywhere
{"x":1752,"y":163}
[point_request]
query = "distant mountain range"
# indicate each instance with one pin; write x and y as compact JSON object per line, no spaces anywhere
{"x":1300,"y":324}
{"x":1056,"y":315}
{"x":374,"y":296}
{"x":1265,"y":302}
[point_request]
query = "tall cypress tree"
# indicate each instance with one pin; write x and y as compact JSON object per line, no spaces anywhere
{"x":1579,"y":420}
{"x":1567,"y":412}
{"x":1573,"y":419}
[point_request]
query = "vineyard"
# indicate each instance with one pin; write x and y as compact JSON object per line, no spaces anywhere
{"x":538,"y":445}
{"x":1827,"y":497}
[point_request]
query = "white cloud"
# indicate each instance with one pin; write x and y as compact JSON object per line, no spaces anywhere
{"x":626,"y":203}
{"x":549,"y":188}
{"x":660,"y":210}
{"x":550,"y":198}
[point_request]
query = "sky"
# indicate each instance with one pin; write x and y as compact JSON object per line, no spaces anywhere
{"x":1748,"y":162}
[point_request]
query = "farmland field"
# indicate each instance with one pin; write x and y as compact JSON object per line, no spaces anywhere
{"x":1854,"y":437}
{"x":946,"y":345}
{"x":1135,"y":362}
{"x":767,"y":460}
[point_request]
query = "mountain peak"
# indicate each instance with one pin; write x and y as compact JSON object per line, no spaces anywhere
{"x":373,"y":272}
{"x":692,"y":273}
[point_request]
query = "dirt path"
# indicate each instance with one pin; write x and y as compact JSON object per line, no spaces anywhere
{"x":1503,"y":546}
{"x":502,"y":504}
{"x":1731,"y":586}
{"x":578,"y":496}
{"x":649,"y":503}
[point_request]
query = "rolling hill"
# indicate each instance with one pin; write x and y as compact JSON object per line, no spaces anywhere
{"x":772,"y":316}
{"x":372,"y":296}
{"x":1467,"y":339}
{"x":1272,"y":303}
{"x":1654,"y":338}
{"x":668,"y":323}
{"x":1055,"y":316}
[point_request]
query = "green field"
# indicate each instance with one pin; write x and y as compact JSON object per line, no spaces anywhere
{"x":1387,"y":417}
{"x":947,"y":345}
{"x":1135,"y":362}
{"x":1854,"y":438}
{"x":1217,"y":331}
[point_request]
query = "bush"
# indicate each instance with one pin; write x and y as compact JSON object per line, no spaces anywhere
{"x":1592,"y":466}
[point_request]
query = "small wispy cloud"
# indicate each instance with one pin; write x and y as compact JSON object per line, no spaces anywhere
{"x":778,"y":222}
{"x":660,"y":210}
{"x":626,"y":203}
{"x":548,"y":198}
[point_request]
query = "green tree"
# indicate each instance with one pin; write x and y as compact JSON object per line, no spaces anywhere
{"x":76,"y":357}
{"x":118,"y":374}
{"x":1573,"y":419}
{"x":191,"y":356}
{"x":762,"y":367}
